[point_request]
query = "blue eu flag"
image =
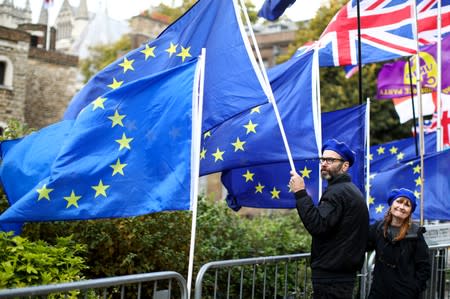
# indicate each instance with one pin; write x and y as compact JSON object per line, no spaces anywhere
{"x":232,"y":78}
{"x":395,"y":153}
{"x":273,"y":9}
{"x":127,"y":153}
{"x":266,"y":186}
{"x":254,"y":137}
{"x":436,"y":186}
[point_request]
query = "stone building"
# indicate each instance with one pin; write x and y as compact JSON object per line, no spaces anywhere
{"x":36,"y":84}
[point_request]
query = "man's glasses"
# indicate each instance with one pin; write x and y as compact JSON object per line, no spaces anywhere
{"x":329,"y":161}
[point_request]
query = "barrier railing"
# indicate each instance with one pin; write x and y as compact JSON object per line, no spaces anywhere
{"x":129,"y":286}
{"x":287,"y":276}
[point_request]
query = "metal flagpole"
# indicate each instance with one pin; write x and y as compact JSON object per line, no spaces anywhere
{"x":269,"y":89}
{"x":439,"y":132}
{"x":411,"y":87}
{"x":197,"y":109}
{"x":358,"y":12}
{"x":419,"y":96}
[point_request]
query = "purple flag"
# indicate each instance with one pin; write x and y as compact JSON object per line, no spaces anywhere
{"x":394,"y":79}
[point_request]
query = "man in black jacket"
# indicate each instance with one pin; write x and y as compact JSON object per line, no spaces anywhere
{"x":338,"y":225}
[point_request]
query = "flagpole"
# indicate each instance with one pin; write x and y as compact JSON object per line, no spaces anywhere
{"x":439,"y":133}
{"x":358,"y":13}
{"x":317,"y":111}
{"x":269,"y":89}
{"x":411,"y":87}
{"x":419,"y":95}
{"x":197,"y":109}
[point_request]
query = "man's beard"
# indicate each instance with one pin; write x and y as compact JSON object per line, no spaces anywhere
{"x":330,"y":173}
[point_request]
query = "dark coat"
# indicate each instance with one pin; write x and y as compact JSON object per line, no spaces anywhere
{"x":402,"y":268}
{"x":339,"y":228}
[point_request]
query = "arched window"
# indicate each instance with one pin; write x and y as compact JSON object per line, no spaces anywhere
{"x":6,"y":72}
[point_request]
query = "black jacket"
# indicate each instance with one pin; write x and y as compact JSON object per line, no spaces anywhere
{"x":339,"y":228}
{"x":402,"y":268}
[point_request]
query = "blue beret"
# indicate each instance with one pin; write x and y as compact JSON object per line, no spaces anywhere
{"x":403,"y":192}
{"x":341,"y":148}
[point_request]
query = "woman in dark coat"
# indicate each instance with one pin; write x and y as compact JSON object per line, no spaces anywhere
{"x":402,"y":265}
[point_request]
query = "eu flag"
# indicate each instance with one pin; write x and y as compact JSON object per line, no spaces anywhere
{"x":273,"y":9}
{"x":127,"y":153}
{"x":254,"y":137}
{"x":266,"y":186}
{"x":233,"y":82}
{"x":394,"y":153}
{"x":436,"y":186}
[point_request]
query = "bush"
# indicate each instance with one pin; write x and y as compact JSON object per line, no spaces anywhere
{"x":26,"y":263}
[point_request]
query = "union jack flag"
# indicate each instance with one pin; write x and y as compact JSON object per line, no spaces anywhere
{"x":387,"y":30}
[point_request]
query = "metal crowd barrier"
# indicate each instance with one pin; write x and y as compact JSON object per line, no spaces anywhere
{"x":263,"y":277}
{"x":286,"y":276}
{"x":129,"y":286}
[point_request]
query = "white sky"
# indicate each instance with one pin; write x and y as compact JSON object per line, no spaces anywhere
{"x":121,"y":10}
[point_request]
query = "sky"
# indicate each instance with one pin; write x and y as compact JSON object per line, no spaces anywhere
{"x":123,"y":10}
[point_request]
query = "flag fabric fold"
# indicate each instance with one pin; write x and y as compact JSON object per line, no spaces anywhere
{"x":436,"y":205}
{"x":254,"y":137}
{"x":266,"y":186}
{"x":233,"y":82}
{"x":273,"y":9}
{"x":127,"y":153}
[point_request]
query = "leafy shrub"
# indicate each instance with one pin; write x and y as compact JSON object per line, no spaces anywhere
{"x":27,"y":263}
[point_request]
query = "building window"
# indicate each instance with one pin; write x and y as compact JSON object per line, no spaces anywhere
{"x":2,"y":72}
{"x":6,"y":72}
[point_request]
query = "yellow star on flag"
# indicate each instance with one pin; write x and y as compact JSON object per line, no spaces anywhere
{"x":371,"y":200}
{"x":218,"y":155}
{"x":418,"y":181}
{"x":248,"y":176}
{"x":117,"y":119}
{"x":118,"y":167}
{"x":259,"y":188}
{"x":98,"y":103}
{"x":275,"y":193}
{"x":172,"y":49}
{"x":148,"y":51}
{"x":203,"y":154}
{"x":250,"y":127}
{"x":380,"y":150}
{"x":393,"y":150}
{"x":44,"y":192}
{"x":100,"y":189}
{"x":238,"y":145}
{"x":417,"y":169}
{"x":207,"y":134}
{"x":255,"y":110}
{"x":127,"y":65}
{"x":72,"y":200}
{"x":417,"y":194}
{"x":370,"y":157}
{"x":379,"y":209}
{"x":184,"y":53}
{"x":124,"y":142}
{"x":400,"y":156}
{"x":305,"y":172}
{"x":115,"y":84}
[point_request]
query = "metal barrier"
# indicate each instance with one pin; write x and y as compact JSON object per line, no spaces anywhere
{"x":286,"y":276}
{"x":136,"y":285}
{"x":275,"y":280}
